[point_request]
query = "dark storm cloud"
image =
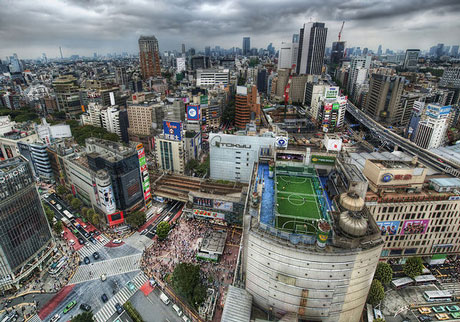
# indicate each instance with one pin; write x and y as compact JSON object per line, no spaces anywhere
{"x":30,"y":27}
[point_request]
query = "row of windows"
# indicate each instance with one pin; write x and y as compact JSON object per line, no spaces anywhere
{"x":415,"y":208}
{"x":408,"y":216}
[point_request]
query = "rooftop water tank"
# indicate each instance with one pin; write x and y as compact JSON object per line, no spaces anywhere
{"x":351,"y":201}
{"x":353,"y":223}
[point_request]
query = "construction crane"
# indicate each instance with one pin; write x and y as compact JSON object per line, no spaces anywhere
{"x":341,"y":29}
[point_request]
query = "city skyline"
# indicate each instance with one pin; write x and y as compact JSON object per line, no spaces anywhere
{"x":113,"y":26}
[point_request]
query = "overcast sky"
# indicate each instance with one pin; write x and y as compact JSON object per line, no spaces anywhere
{"x":32,"y":27}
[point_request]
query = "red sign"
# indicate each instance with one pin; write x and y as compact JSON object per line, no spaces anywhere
{"x":402,"y":177}
{"x":116,"y":218}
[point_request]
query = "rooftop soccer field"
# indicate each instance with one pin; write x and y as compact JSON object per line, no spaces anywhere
{"x":296,"y":202}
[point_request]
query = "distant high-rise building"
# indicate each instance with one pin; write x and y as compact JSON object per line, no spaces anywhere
{"x":312,"y":44}
{"x":338,"y":51}
{"x":262,"y":78}
{"x":183,"y":49}
{"x":149,"y":57}
{"x":288,"y":53}
{"x":365,"y":51}
{"x":180,"y":64}
{"x":450,"y":78}
{"x":383,"y":102}
{"x":200,"y":62}
{"x":246,"y":45}
{"x":295,"y":38}
{"x":359,"y":67}
{"x":454,"y":51}
{"x":121,"y":78}
{"x":44,"y":58}
{"x":411,"y":58}
{"x":68,"y":95}
{"x":439,"y":50}
{"x":207,"y":51}
{"x":379,"y":51}
{"x":247,"y":106}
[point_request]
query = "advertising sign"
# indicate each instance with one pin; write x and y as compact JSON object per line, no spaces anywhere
{"x":116,"y":218}
{"x":333,"y":144}
{"x":319,"y":159}
{"x":107,"y":198}
{"x":204,"y":202}
{"x":144,"y":174}
{"x":172,"y":130}
{"x":388,"y":227}
{"x":415,"y":226}
{"x":327,"y":107}
{"x":209,"y":214}
{"x":281,"y":142}
{"x":204,"y":100}
{"x":335,"y":106}
{"x":223,"y":205}
{"x":193,"y":112}
{"x":332,"y":92}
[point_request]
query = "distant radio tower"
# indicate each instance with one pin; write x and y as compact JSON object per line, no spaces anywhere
{"x":60,"y":50}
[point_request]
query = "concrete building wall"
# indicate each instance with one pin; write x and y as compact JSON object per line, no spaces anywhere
{"x":334,"y":284}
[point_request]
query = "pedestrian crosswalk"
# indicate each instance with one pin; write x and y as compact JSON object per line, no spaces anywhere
{"x":89,"y":248}
{"x":108,"y":267}
{"x":138,"y":241}
{"x":34,"y":318}
{"x":121,"y":297}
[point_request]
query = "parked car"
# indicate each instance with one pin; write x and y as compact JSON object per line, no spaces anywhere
{"x":96,"y":255}
{"x":81,"y":241}
{"x":117,"y":241}
{"x":86,"y":260}
{"x":91,"y":239}
{"x":55,"y":318}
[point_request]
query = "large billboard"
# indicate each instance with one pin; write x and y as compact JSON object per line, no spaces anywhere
{"x":320,"y":159}
{"x":172,"y":130}
{"x":193,"y":112}
{"x":116,"y":218}
{"x":144,"y":174}
{"x":204,"y":202}
{"x":388,"y":227}
{"x":107,"y":199}
{"x":223,"y":205}
{"x":209,"y":214}
{"x":419,"y":226}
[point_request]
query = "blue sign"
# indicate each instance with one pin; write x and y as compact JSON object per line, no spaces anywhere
{"x":388,"y":227}
{"x":387,"y":177}
{"x":193,"y":112}
{"x":281,"y":142}
{"x":172,"y":130}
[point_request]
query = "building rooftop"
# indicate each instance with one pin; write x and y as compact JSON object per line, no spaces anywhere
{"x":10,"y":164}
{"x":446,"y":182}
{"x":238,"y":305}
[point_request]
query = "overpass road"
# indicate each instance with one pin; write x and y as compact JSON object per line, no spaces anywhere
{"x":432,"y":160}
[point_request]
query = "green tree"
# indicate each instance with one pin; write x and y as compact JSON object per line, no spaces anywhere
{"x":136,"y":219}
{"x":376,"y":293}
{"x":191,"y":165}
{"x":379,"y":320}
{"x":84,"y":212}
{"x":413,"y":267}
{"x":61,"y":190}
{"x":83,"y":317}
{"x":163,"y":230}
{"x":57,"y":227}
{"x":95,"y":219}
{"x":69,"y":197}
{"x":384,"y":273}
{"x":49,"y":213}
{"x":187,"y":282}
{"x":76,"y":203}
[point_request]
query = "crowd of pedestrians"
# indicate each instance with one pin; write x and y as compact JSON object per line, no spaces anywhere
{"x":182,"y":245}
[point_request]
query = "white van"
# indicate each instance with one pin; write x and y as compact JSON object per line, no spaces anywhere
{"x":164,"y":298}
{"x":177,"y":309}
{"x":72,"y":242}
{"x":185,"y":318}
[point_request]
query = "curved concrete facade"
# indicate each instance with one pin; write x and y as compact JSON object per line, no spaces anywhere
{"x":329,"y":285}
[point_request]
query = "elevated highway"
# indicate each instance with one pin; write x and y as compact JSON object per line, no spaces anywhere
{"x":430,"y":159}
